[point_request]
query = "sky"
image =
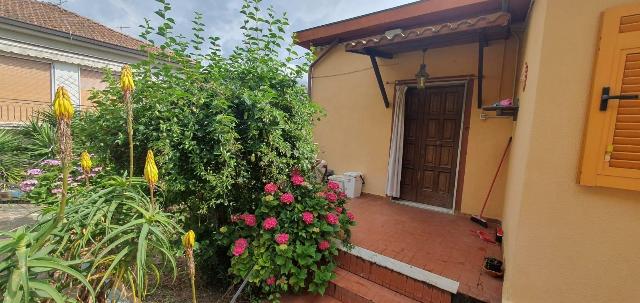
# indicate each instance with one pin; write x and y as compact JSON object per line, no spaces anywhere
{"x":222,"y":17}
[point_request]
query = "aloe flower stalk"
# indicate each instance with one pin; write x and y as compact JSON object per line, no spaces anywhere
{"x":63,"y":111}
{"x":127,"y":86}
{"x":85,"y":163}
{"x":188,"y":240}
{"x":151,"y":173}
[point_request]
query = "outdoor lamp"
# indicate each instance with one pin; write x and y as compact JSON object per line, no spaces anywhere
{"x":422,"y":75}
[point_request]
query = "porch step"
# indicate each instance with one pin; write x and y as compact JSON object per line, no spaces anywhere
{"x":402,"y":279}
{"x":308,"y":298}
{"x":350,"y":288}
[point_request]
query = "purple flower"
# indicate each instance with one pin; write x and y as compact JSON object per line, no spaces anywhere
{"x":34,"y":172}
{"x":51,"y":162}
{"x":56,"y":190}
{"x":97,"y":169}
{"x":30,"y":182}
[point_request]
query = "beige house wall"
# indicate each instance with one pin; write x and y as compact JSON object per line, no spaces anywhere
{"x":355,"y":133}
{"x":564,"y":242}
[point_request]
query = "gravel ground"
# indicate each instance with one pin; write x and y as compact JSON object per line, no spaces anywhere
{"x":16,"y":215}
{"x":179,"y":291}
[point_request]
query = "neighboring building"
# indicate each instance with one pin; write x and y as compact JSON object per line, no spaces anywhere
{"x":43,"y":46}
{"x":567,"y":196}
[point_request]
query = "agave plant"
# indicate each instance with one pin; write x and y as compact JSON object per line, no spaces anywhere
{"x":28,"y":274}
{"x":126,"y":236}
{"x":12,"y":164}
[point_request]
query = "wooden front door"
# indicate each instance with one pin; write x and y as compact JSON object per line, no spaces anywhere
{"x":431,"y":142}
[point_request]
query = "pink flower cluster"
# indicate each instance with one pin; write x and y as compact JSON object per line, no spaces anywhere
{"x":269,"y":223}
{"x":351,"y":216}
{"x":249,"y":219}
{"x":240,"y":246}
{"x":333,"y":185}
{"x":282,"y":238}
{"x":324,"y":245}
{"x":331,"y":196}
{"x":339,"y":210}
{"x":271,"y":280}
{"x":28,"y":185}
{"x":270,"y":188}
{"x":51,"y":162}
{"x":287,"y":198}
{"x":332,"y":219}
{"x":307,"y":217}
{"x":297,"y":179}
{"x":34,"y":172}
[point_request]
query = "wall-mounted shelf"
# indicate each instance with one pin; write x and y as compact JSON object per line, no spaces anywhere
{"x":503,"y":111}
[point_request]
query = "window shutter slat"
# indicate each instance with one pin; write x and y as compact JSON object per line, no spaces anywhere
{"x":611,"y":155}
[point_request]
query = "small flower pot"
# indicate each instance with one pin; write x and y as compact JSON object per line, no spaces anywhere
{"x":493,"y":267}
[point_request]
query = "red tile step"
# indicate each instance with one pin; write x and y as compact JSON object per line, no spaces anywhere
{"x":417,"y":291}
{"x":308,"y":298}
{"x":350,"y":288}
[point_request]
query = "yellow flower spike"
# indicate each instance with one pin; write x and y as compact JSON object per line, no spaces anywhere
{"x":150,"y":169}
{"x":85,"y":162}
{"x":62,"y":106}
{"x":189,"y":240}
{"x":126,"y":79}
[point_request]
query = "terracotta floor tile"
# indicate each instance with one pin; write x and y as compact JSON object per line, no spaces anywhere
{"x":440,"y":243}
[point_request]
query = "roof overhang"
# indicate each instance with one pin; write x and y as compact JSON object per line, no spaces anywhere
{"x":481,"y":28}
{"x":409,"y":16}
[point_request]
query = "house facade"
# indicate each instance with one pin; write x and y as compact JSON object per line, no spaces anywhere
{"x":567,"y":193}
{"x":43,"y":46}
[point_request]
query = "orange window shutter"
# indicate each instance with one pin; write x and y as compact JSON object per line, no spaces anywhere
{"x":611,"y":155}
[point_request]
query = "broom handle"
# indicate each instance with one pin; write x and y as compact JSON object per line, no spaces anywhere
{"x":504,"y":155}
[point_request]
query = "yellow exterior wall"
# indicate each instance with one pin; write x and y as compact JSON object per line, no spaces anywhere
{"x":355,"y":134}
{"x":564,"y":242}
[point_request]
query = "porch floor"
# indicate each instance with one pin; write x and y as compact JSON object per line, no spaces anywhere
{"x":442,"y":244}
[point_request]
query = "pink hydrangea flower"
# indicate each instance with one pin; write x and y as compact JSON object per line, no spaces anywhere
{"x":269,"y":223}
{"x":240,"y":246}
{"x":282,"y":238}
{"x":51,"y":162}
{"x":331,"y":197}
{"x":34,"y":172}
{"x":342,"y":195}
{"x":332,"y":219}
{"x":287,"y":198}
{"x":324,"y":245}
{"x":351,"y":216}
{"x":270,"y":188}
{"x":333,"y":185}
{"x":271,"y":280}
{"x":339,"y":210}
{"x":297,"y":180}
{"x":236,"y":218}
{"x":307,"y":217}
{"x":249,"y":219}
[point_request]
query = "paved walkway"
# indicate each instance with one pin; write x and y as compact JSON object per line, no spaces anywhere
{"x":16,"y":215}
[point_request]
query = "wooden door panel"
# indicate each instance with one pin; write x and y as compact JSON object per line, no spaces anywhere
{"x":433,"y":147}
{"x":446,"y":158}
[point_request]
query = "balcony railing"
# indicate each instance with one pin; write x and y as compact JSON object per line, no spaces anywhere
{"x":14,"y":112}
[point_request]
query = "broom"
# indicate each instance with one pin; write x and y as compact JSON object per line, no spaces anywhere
{"x":478,"y":218}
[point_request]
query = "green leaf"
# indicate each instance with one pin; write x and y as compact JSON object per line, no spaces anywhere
{"x":49,"y":290}
{"x":65,"y":269}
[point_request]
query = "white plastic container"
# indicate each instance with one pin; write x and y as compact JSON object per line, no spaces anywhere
{"x":338,"y":179}
{"x":353,"y":184}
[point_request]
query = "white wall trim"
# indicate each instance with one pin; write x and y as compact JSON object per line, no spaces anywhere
{"x":416,"y":273}
{"x":424,"y":206}
{"x":43,"y":52}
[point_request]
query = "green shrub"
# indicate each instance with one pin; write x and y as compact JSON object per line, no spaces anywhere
{"x":289,"y":244}
{"x":221,"y":126}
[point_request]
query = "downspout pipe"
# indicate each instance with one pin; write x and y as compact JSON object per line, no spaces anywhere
{"x":313,"y":64}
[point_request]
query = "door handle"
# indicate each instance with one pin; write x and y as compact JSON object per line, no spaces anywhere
{"x":605,"y":97}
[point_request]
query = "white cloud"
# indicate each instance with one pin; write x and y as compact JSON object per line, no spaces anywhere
{"x":222,"y":17}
